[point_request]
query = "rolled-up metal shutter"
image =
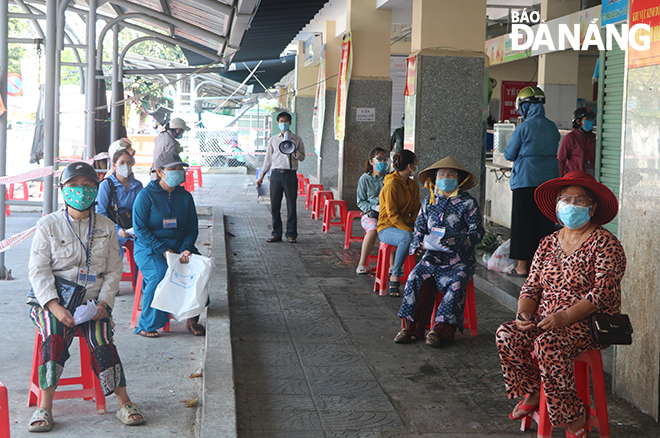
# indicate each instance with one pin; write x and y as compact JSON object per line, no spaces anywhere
{"x":610,"y":121}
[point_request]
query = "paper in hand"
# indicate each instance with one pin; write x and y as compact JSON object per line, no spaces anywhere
{"x":85,"y":312}
{"x":131,"y":232}
{"x":432,"y":243}
{"x":262,"y":191}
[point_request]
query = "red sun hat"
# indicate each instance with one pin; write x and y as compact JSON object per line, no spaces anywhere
{"x":545,"y":196}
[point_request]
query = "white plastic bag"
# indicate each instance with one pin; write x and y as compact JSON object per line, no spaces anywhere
{"x":182,"y":292}
{"x":500,"y":260}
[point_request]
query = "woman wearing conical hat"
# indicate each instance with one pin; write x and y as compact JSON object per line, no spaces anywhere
{"x":448,"y":227}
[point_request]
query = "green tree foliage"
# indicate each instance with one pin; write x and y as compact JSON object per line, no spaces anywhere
{"x":18,"y":28}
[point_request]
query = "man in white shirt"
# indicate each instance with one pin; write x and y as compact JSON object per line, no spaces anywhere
{"x":283,"y":180}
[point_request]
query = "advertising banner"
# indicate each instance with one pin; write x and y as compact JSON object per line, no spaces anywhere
{"x":345,"y":67}
{"x":318,"y":117}
{"x":645,"y":12}
{"x":613,"y":12}
{"x":510,"y":90}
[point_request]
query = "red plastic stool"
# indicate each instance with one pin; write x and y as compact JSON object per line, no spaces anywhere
{"x":132,"y":274}
{"x":589,"y":360}
{"x":137,"y":304}
{"x":329,"y":208}
{"x":189,"y":183}
{"x":197,"y":179}
{"x":88,"y":380}
{"x":4,"y":411}
{"x":318,"y":202}
{"x":302,"y":186}
{"x":470,"y":314}
{"x":350,"y":216}
{"x":310,"y":189}
{"x":383,"y":267}
{"x":24,"y":196}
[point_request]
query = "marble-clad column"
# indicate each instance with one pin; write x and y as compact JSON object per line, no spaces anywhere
{"x":637,"y":366}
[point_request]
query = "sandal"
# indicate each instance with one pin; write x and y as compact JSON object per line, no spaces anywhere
{"x":361,"y":269}
{"x":291,"y":239}
{"x":274,"y":239}
{"x":393,"y":288}
{"x":147,"y":334}
{"x":582,"y":432}
{"x":44,"y":415}
{"x":197,"y":329}
{"x":125,"y":412}
{"x":527,"y":409}
{"x":514,"y":273}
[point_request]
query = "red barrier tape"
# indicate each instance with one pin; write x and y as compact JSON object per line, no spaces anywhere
{"x":16,"y":239}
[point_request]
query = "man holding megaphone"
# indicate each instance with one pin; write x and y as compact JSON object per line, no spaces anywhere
{"x":284,"y":152}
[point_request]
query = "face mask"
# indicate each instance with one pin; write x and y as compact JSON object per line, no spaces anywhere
{"x":573,"y":216}
{"x":447,"y":185}
{"x":413,"y":168}
{"x":523,"y":110}
{"x":588,"y":125}
{"x":283,"y":126}
{"x":180,"y":134}
{"x":124,"y":170}
{"x":79,"y":197}
{"x":381,"y":167}
{"x":174,"y":178}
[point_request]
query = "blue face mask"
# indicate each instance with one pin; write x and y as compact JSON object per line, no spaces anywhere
{"x":573,"y":216}
{"x":588,"y":125}
{"x":283,"y":126}
{"x":174,"y":178}
{"x":381,"y":167}
{"x":523,"y":110}
{"x":447,"y":185}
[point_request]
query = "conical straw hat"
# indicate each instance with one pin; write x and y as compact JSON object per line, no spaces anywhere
{"x":448,"y":163}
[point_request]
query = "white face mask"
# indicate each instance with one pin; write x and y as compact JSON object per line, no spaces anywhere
{"x":124,"y":170}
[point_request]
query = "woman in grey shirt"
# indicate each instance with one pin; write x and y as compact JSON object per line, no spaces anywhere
{"x":369,"y":186}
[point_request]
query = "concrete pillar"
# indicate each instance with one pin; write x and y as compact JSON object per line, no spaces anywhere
{"x":558,"y":72}
{"x":328,"y":164}
{"x":303,"y":106}
{"x":636,"y":372}
{"x":370,"y":87}
{"x":444,"y":116}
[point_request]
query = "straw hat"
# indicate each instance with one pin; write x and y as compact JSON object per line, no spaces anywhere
{"x":448,"y":163}
{"x":545,"y":196}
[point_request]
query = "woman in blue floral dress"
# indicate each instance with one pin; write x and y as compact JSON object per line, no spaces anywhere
{"x":447,"y":229}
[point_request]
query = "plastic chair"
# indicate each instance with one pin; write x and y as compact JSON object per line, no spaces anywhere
{"x":132,"y":274}
{"x":318,"y":202}
{"x":197,"y":175}
{"x":12,"y":196}
{"x":587,"y":361}
{"x":189,"y":183}
{"x":329,"y":208}
{"x":4,"y":411}
{"x":383,"y":267}
{"x":350,"y":216}
{"x":302,"y":186}
{"x":88,"y":380}
{"x":137,"y":304}
{"x":310,"y":189}
{"x":470,"y":313}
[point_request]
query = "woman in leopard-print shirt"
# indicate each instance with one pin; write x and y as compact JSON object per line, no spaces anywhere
{"x":576,"y":271}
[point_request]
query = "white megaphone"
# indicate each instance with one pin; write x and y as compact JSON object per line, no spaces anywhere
{"x":287,"y":147}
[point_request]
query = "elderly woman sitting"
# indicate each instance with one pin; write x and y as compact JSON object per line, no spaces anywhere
{"x":448,"y":227}
{"x":575,"y":272}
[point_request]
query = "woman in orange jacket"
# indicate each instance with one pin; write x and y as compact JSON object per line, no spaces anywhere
{"x":399,"y":206}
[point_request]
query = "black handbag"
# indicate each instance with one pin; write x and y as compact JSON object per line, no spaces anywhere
{"x":70,"y":294}
{"x":124,"y":220}
{"x":610,"y":329}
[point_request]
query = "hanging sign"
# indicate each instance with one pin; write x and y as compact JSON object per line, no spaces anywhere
{"x":345,"y":67}
{"x":645,"y":12}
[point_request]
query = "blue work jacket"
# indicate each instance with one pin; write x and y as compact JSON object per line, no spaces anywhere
{"x":154,"y":204}
{"x":533,"y":150}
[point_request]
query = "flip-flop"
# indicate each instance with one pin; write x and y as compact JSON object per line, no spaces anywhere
{"x":527,"y":409}
{"x":513,"y":273}
{"x":125,"y":412}
{"x":361,"y":269}
{"x":274,"y":239}
{"x":44,"y":415}
{"x":147,"y":334}
{"x":291,"y":239}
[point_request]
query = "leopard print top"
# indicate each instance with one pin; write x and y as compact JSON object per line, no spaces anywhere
{"x":593,"y":271}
